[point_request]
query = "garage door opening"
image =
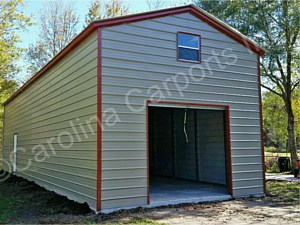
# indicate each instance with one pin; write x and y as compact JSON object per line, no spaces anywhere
{"x":187,"y":155}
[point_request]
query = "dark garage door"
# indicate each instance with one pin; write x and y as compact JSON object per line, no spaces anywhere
{"x":188,"y":144}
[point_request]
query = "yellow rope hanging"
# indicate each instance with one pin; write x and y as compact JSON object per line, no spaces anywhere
{"x":184,"y":128}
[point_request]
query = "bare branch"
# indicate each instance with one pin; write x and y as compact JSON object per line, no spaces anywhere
{"x":272,"y":90}
{"x":295,"y":85}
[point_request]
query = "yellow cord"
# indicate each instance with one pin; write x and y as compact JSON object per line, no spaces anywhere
{"x":184,"y":129}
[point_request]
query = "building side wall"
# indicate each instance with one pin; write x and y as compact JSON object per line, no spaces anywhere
{"x":55,"y":120}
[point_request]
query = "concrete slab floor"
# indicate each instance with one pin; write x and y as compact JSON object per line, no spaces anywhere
{"x":169,"y":191}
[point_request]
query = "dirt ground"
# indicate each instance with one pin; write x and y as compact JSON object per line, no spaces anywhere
{"x":24,"y":202}
{"x":230,"y":212}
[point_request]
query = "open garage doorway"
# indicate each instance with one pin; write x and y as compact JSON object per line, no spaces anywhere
{"x":187,"y":155}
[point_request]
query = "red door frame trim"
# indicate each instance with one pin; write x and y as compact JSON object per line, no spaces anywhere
{"x":99,"y":119}
{"x":228,"y":139}
{"x":228,"y":143}
{"x":261,"y":124}
{"x":148,"y":151}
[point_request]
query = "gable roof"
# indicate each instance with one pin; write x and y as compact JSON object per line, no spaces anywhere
{"x":194,"y":10}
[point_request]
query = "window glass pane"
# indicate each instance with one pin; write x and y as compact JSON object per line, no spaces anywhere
{"x":188,"y":54}
{"x":187,"y":40}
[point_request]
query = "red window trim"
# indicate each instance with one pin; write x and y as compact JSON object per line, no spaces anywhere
{"x":177,"y":47}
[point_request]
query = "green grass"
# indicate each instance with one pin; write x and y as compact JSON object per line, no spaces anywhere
{"x":134,"y":221}
{"x":8,"y":206}
{"x":141,"y":221}
{"x":283,"y":192}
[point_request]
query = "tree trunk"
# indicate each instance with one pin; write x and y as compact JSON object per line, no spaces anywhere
{"x":291,"y":134}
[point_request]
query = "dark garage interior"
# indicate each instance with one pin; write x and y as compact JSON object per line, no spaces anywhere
{"x":187,"y":150}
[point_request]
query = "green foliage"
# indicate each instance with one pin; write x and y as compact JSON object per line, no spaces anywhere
{"x":105,"y":9}
{"x":275,"y":120}
{"x":12,"y":20}
{"x":271,"y":165}
{"x":270,"y":149}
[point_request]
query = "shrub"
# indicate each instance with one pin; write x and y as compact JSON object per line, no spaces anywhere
{"x":270,"y":149}
{"x":271,"y":165}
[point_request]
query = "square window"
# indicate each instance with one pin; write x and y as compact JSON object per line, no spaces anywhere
{"x":188,"y":48}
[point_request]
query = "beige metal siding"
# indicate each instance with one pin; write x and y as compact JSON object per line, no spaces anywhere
{"x":43,"y":114}
{"x":211,"y":146}
{"x":143,"y":54}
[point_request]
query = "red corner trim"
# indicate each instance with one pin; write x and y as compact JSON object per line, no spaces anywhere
{"x":99,"y":119}
{"x":228,"y":143}
{"x":261,"y":124}
{"x":148,"y":152}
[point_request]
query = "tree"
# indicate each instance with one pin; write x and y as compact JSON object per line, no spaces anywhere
{"x":156,"y":4}
{"x":275,"y":120}
{"x":276,"y":26}
{"x":37,"y":56}
{"x":101,"y":10}
{"x":160,"y":4}
{"x":58,"y":27}
{"x":12,"y":20}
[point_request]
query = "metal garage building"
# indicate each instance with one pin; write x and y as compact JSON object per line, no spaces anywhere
{"x":143,"y":110}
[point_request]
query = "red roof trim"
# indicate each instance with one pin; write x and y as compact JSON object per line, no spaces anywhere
{"x":226,"y":31}
{"x":142,"y":16}
{"x":134,"y":18}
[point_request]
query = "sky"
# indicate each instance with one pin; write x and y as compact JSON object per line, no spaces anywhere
{"x":33,"y":8}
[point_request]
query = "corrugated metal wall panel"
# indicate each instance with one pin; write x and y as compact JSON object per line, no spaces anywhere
{"x":43,"y":115}
{"x":184,"y":144}
{"x":124,"y":202}
{"x":211,"y":146}
{"x":143,"y":54}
